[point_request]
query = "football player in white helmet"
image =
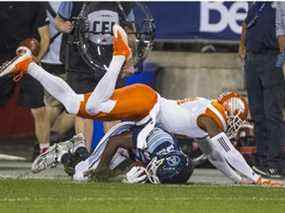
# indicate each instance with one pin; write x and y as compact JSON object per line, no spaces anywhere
{"x":200,"y":118}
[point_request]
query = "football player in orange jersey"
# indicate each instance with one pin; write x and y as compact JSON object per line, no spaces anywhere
{"x":199,"y":118}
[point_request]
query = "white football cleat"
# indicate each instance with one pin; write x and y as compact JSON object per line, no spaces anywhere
{"x":15,"y":65}
{"x":46,"y":160}
{"x":73,"y":145}
{"x":52,"y":157}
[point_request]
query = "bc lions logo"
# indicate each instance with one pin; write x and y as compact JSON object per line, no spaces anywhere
{"x":173,"y":160}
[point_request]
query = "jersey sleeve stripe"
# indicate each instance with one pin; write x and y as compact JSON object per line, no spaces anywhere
{"x":218,"y":118}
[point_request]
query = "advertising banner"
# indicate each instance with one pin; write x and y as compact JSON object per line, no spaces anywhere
{"x":186,"y":21}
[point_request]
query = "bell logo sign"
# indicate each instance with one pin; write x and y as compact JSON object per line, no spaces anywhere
{"x":228,"y":17}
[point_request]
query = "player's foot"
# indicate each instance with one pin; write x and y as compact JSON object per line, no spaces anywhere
{"x":74,"y":146}
{"x":19,"y":64}
{"x":46,"y":160}
{"x":120,"y":42}
{"x":73,"y":151}
{"x":269,"y":183}
{"x":55,"y":154}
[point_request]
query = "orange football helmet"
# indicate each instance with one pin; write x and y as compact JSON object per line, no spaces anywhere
{"x":236,"y":109}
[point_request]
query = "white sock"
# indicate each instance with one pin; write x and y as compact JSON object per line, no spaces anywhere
{"x":106,"y":86}
{"x":44,"y":146}
{"x":222,"y":144}
{"x":57,"y":87}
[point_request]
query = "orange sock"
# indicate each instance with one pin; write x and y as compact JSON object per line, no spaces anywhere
{"x":120,"y":47}
{"x":22,"y":66}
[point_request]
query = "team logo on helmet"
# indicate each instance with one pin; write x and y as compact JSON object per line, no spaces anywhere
{"x":173,"y":160}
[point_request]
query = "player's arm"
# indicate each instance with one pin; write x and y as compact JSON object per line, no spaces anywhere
{"x":208,"y":125}
{"x":62,"y":25}
{"x":62,"y":20}
{"x":213,"y":154}
{"x":121,"y":141}
{"x":222,"y":154}
{"x":41,"y":24}
{"x":44,"y":42}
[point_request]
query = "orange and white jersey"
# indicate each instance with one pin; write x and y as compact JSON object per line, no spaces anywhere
{"x":181,"y":116}
{"x":139,"y":101}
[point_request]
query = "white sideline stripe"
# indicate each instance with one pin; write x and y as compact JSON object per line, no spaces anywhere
{"x":103,"y":199}
{"x":11,"y":157}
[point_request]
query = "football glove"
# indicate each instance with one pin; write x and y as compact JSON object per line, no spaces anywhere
{"x":137,"y":174}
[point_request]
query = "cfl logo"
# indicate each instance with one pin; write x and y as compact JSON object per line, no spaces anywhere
{"x":102,"y":22}
{"x":229,"y":17}
{"x":173,"y":160}
{"x":103,"y":27}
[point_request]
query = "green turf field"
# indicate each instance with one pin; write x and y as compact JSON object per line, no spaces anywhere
{"x":41,"y":196}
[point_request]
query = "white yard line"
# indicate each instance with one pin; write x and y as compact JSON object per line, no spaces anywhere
{"x":104,"y":199}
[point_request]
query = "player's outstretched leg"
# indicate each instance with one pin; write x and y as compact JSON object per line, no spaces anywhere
{"x":57,"y":87}
{"x":106,"y":86}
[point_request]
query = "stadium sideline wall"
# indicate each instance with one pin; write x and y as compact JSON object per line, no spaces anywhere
{"x":197,"y":74}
